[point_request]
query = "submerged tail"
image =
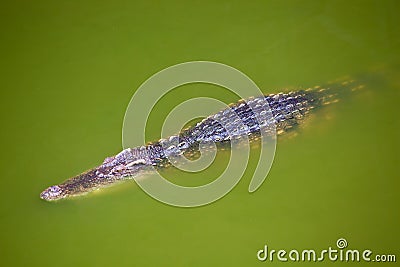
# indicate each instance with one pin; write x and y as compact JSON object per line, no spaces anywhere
{"x":335,"y":91}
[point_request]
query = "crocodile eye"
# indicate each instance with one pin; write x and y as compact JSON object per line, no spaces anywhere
{"x":55,"y":189}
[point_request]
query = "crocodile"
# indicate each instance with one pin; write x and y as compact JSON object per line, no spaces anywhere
{"x":246,"y":117}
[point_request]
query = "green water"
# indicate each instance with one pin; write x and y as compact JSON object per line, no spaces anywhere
{"x":68,"y":71}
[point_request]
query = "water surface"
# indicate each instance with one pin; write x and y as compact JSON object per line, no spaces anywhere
{"x":70,"y":68}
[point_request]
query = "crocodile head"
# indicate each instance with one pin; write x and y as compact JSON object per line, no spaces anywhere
{"x":53,"y":193}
